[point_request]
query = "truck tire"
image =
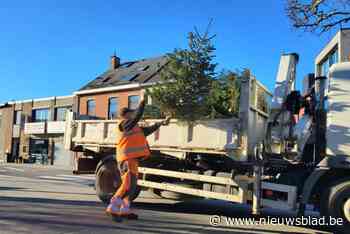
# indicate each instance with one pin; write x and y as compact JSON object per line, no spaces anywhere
{"x":108,"y":180}
{"x":335,"y":203}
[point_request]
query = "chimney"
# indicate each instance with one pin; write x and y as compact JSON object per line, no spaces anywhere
{"x":115,"y":62}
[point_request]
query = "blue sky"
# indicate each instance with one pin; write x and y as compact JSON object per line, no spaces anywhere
{"x":52,"y":48}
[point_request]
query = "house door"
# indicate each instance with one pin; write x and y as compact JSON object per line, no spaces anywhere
{"x":38,"y":151}
{"x":15,"y":150}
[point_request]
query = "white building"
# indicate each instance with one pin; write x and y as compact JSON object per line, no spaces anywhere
{"x":337,"y":50}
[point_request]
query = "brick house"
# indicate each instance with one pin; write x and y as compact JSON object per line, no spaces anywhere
{"x":120,"y":86}
{"x":33,"y":130}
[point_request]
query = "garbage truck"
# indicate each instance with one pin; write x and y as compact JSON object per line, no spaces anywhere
{"x":288,"y":150}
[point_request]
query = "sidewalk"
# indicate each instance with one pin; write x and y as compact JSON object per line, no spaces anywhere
{"x":30,"y":165}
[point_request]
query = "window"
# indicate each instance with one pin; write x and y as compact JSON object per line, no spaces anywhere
{"x":331,"y":59}
{"x":38,"y":146}
{"x":113,"y":108}
{"x":133,"y":101}
{"x":91,"y":108}
{"x":324,"y":68}
{"x":60,"y":113}
{"x":41,"y":115}
{"x":17,"y":117}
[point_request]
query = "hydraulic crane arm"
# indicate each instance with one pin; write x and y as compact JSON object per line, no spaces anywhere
{"x":285,"y":80}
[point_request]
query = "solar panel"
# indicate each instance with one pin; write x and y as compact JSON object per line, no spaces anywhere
{"x":106,"y":79}
{"x":143,"y":68}
{"x":125,"y":65}
{"x":128,"y":77}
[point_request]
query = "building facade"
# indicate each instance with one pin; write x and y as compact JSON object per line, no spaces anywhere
{"x":32,"y":131}
{"x":6,"y":127}
{"x":120,"y":86}
{"x":337,"y":50}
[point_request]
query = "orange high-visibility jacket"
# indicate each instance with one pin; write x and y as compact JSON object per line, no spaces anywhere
{"x":131,"y":144}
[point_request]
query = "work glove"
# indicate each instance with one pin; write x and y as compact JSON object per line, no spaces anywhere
{"x":166,"y":121}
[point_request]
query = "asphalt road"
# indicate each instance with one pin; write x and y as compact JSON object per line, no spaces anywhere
{"x":43,"y":200}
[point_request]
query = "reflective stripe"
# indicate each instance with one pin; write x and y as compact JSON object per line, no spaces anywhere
{"x":115,"y":206}
{"x":116,"y":201}
{"x":133,"y":149}
{"x":125,"y":208}
{"x":130,"y":133}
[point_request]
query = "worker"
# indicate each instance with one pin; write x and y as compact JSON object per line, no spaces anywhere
{"x":132,"y":146}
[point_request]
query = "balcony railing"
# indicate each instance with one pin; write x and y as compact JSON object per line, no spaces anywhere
{"x":51,"y":127}
{"x":55,"y":127}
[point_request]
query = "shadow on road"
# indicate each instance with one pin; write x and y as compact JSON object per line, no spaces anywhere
{"x":140,"y":226}
{"x":221,"y":208}
{"x":64,"y":216}
{"x":42,"y":191}
{"x":198,"y":206}
{"x":50,"y":201}
{"x":10,"y":188}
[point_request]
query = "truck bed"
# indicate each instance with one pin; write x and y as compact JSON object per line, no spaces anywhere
{"x":233,"y":137}
{"x":219,"y":136}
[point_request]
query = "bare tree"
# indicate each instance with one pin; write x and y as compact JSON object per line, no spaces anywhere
{"x":318,"y":15}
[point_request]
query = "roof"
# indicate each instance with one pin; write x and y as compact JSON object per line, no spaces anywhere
{"x":9,"y":103}
{"x":133,"y":72}
{"x":4,"y":105}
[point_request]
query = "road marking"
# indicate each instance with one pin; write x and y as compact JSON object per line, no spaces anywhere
{"x":66,"y":178}
{"x":7,"y":176}
{"x":14,"y":169}
{"x":58,"y":178}
{"x":88,"y":177}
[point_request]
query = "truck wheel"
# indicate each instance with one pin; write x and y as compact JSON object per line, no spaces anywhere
{"x":335,"y":203}
{"x":108,"y":180}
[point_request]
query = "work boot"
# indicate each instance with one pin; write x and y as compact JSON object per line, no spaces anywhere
{"x":126,"y":213}
{"x":132,"y":216}
{"x":117,"y":218}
